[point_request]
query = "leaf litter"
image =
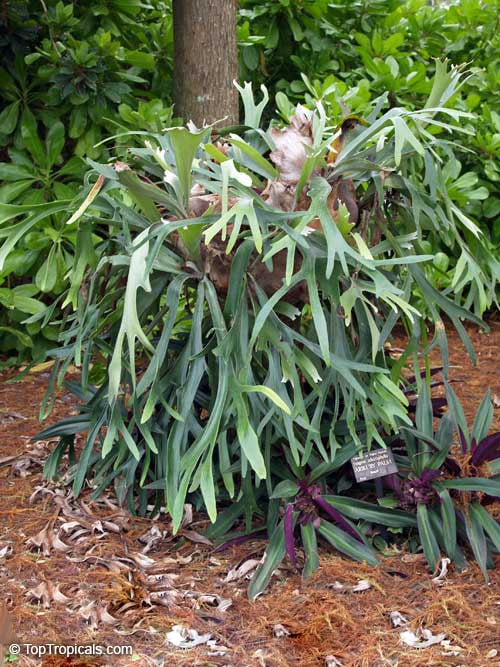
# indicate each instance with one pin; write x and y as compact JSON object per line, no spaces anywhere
{"x":79,"y":572}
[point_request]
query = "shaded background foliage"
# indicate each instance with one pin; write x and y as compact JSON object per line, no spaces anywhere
{"x":74,"y":74}
{"x":362,"y":49}
{"x":71,"y":75}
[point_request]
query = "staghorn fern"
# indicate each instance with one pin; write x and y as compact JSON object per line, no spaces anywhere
{"x":231,"y":333}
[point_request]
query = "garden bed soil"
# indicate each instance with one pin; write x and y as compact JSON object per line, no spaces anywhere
{"x":95,"y":592}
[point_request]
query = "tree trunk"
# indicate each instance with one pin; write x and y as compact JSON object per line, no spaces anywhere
{"x":205,"y":60}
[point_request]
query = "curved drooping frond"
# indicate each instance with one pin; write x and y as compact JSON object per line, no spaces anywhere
{"x":232,"y":332}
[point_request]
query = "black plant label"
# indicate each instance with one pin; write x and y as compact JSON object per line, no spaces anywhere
{"x":377,"y":463}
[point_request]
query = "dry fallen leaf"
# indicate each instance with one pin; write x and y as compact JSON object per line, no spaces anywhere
{"x":187,"y":518}
{"x":183,"y":637}
{"x":194,"y":536}
{"x":187,"y":638}
{"x":161,"y":581}
{"x":450,"y":649}
{"x":5,"y":415}
{"x":160,"y":589}
{"x":164,"y":598}
{"x":397,"y":619}
{"x":152,"y":538}
{"x":83,"y":513}
{"x":96,"y":613}
{"x":337,"y":586}
{"x":413,"y":558}
{"x":243,"y":571}
{"x":440,"y":578}
{"x":332,"y":661}
{"x":423,"y":638}
{"x":7,"y":459}
{"x":290,"y":142}
{"x":44,"y":490}
{"x":211,"y":600}
{"x":362,"y":585}
{"x":137,"y":627}
{"x":5,"y":551}
{"x":46,"y":540}
{"x":46,"y":592}
{"x":143,"y":561}
{"x":115,"y":565}
{"x":260,"y":656}
{"x":280,"y":631}
{"x":24,"y":466}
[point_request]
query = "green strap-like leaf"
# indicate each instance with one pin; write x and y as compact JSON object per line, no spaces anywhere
{"x":479,"y":484}
{"x":275,"y":553}
{"x":483,"y":419}
{"x":360,"y":510}
{"x":449,"y":522}
{"x":347,"y":544}
{"x":310,"y":543}
{"x":489,"y":524}
{"x":477,"y":540}
{"x":427,"y":537}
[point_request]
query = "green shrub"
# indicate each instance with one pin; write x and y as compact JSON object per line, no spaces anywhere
{"x":70,"y":75}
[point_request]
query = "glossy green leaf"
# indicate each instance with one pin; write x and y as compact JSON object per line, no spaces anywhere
{"x":285,"y":489}
{"x":29,"y":133}
{"x":46,"y":275}
{"x":483,"y":418}
{"x":54,"y":142}
{"x":248,"y":439}
{"x":8,"y":117}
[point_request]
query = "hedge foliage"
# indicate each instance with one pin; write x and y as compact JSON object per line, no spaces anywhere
{"x":73,"y":75}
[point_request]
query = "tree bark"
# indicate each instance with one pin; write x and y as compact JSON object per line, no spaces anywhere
{"x":205,"y":61}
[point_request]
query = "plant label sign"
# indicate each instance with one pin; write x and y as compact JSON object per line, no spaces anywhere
{"x":377,"y":463}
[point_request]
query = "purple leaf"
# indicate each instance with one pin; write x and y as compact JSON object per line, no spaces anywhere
{"x":336,"y":516}
{"x":429,"y":475}
{"x":241,"y":539}
{"x":452,"y":466}
{"x":289,"y":539}
{"x":487,"y":450}
{"x":303,"y":485}
{"x":463,"y":441}
{"x":392,"y":482}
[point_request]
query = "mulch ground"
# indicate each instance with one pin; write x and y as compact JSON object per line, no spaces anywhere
{"x":77,"y":572}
